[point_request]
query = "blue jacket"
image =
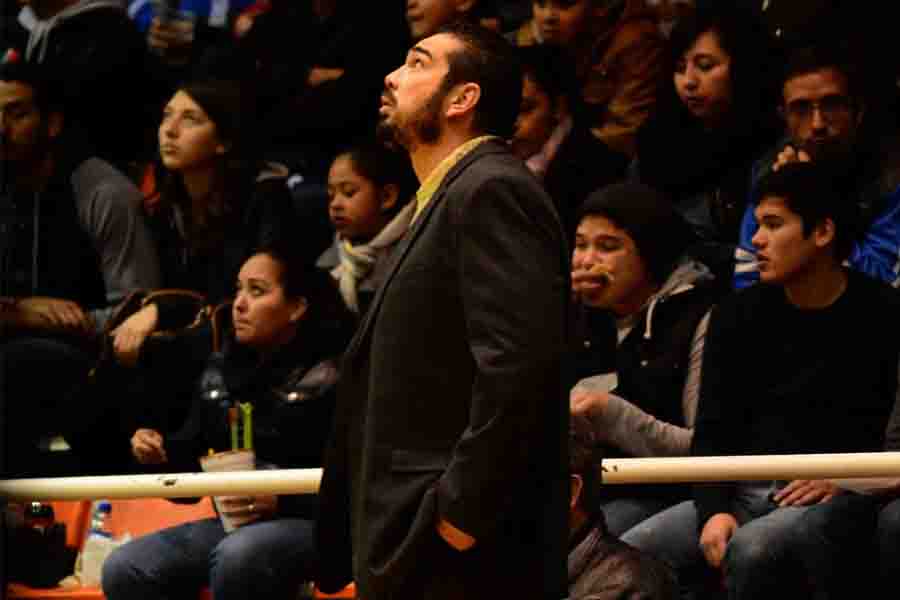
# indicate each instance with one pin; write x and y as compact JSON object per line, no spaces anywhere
{"x":876,"y":253}
{"x":215,"y":13}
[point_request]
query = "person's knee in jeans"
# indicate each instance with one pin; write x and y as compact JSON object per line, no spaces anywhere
{"x":760,"y":556}
{"x":888,"y":539}
{"x":253,"y":559}
{"x":747,"y":552}
{"x":120,"y":576}
{"x":670,"y":535}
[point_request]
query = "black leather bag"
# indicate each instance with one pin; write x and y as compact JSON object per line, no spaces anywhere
{"x":38,"y":558}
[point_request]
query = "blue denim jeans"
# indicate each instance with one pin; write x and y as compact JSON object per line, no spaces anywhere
{"x":756,"y":558}
{"x":268,"y":559}
{"x":624,"y":513}
{"x":838,"y":546}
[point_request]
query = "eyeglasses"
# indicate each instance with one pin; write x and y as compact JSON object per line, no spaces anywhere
{"x":829,"y":108}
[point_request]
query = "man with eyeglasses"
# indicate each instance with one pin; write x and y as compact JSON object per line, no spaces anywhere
{"x":823,"y":110}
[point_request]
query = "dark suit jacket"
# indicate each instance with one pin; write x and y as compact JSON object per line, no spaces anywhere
{"x":452,"y":400}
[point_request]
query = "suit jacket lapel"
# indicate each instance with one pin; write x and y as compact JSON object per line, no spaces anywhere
{"x":407,"y":242}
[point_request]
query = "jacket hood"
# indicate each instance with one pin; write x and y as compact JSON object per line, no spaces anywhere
{"x":686,"y":276}
{"x":40,"y":30}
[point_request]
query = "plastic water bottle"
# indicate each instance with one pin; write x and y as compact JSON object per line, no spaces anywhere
{"x":97,"y":546}
{"x":100,"y":519}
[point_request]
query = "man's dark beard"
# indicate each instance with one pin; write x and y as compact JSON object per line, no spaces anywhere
{"x":425,"y":124}
{"x":14,"y":167}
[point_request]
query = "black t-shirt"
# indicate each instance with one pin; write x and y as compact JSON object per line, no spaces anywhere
{"x":782,"y":380}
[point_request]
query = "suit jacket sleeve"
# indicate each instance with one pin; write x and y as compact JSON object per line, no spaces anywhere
{"x":513,"y":282}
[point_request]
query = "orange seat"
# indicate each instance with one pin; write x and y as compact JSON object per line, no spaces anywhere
{"x":348,"y":593}
{"x":137,"y":517}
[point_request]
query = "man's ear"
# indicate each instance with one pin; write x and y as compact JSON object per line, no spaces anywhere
{"x":825,"y":232}
{"x":576,"y":487}
{"x":463,"y":99}
{"x":299,"y":310}
{"x":55,"y":120}
{"x":389,"y":195}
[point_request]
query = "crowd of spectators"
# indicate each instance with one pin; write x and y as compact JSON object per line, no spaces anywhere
{"x":727,"y":174}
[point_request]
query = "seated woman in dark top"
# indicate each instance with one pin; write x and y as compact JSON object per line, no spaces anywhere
{"x":276,"y":348}
{"x":715,"y":118}
{"x":216,"y":205}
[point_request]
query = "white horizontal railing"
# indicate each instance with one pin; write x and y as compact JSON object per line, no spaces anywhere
{"x":696,"y":469}
{"x":170,"y":485}
{"x":690,"y":469}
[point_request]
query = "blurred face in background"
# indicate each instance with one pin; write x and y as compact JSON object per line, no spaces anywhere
{"x":25,"y":132}
{"x":357,"y":206}
{"x":561,"y":22}
{"x":821,"y":116}
{"x":187,"y":137}
{"x":703,"y":79}
{"x":537,"y":119}
{"x":424,"y":17}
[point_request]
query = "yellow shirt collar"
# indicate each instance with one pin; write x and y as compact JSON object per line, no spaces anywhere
{"x":434,"y":180}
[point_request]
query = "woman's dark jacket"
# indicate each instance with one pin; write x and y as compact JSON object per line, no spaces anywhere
{"x":211,"y":270}
{"x":292,"y":393}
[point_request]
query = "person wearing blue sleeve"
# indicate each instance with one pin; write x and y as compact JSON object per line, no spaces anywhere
{"x":825,"y":114}
{"x":215,"y":13}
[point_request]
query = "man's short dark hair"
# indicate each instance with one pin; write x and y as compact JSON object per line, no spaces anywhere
{"x":659,"y":232}
{"x":809,"y":59}
{"x":44,"y":89}
{"x":814,"y":192}
{"x":584,"y":460}
{"x":490,"y":61}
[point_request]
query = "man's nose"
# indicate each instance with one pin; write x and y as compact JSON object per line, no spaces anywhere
{"x":758,"y":240}
{"x":818,"y":122}
{"x":389,"y":80}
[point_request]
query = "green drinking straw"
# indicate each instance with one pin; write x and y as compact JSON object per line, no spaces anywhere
{"x":247,"y":423}
{"x":233,"y":425}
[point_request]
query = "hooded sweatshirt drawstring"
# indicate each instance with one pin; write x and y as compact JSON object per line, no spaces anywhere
{"x":684,"y":278}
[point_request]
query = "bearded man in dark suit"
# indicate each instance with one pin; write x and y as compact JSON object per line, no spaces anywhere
{"x":447,"y":472}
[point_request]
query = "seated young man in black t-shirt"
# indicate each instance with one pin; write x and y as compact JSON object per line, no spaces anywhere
{"x":805,"y":363}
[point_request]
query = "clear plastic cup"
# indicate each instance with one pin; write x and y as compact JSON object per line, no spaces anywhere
{"x":232,"y":460}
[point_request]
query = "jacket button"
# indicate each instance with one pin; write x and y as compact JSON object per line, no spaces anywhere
{"x":587,"y":343}
{"x":644,"y":362}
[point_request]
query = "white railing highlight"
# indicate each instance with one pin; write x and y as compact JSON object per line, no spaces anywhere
{"x":843,"y":467}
